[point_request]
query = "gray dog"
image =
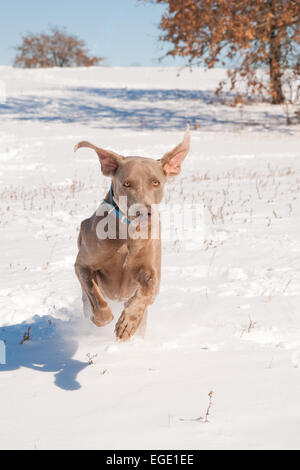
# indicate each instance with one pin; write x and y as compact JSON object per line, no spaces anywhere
{"x":125,"y":268}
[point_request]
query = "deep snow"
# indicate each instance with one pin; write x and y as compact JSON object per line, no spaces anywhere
{"x":227,"y":317}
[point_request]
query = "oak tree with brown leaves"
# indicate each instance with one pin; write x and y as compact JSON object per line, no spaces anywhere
{"x":251,"y":35}
{"x":55,"y":49}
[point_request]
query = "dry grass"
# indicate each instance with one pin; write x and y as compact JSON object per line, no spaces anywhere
{"x":228,"y":197}
{"x":250,"y":327}
{"x":26,"y":336}
{"x":91,"y":358}
{"x":286,"y":286}
{"x":204,"y":418}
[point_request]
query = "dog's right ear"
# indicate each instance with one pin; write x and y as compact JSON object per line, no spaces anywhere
{"x":109,"y":160}
{"x":171,"y":161}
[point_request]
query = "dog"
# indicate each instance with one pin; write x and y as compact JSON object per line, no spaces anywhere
{"x":123,"y":267}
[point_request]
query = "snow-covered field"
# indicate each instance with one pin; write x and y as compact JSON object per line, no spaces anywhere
{"x":227,"y":319}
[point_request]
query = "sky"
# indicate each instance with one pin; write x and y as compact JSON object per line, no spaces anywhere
{"x":125,"y":32}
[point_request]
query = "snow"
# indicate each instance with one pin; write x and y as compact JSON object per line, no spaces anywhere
{"x":227,"y":317}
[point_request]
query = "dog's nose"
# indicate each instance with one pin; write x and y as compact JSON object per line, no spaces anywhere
{"x":142,"y":210}
{"x":143,"y":213}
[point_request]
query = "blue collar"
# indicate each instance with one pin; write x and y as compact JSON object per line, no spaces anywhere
{"x":116,"y":208}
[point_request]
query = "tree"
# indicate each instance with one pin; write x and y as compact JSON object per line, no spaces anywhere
{"x":250,"y":34}
{"x":56,"y":49}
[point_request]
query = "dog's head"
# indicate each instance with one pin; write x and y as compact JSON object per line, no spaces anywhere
{"x":140,"y":179}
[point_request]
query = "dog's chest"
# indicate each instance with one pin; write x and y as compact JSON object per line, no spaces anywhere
{"x":119,"y":259}
{"x":123,"y":252}
{"x":118,"y":280}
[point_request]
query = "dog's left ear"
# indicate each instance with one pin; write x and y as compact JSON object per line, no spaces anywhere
{"x":171,"y":161}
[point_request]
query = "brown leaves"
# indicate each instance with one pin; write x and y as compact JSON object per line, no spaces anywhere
{"x":252,"y":33}
{"x":56,"y":49}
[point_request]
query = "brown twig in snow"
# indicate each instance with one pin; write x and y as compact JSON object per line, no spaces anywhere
{"x":26,"y":336}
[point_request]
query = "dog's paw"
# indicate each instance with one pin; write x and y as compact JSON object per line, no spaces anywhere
{"x":127,"y":325}
{"x":103,"y":317}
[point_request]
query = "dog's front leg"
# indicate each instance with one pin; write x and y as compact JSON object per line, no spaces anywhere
{"x":136,"y":307}
{"x":102,"y":314}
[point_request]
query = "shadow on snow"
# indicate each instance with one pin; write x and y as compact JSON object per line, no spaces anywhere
{"x":50,"y":349}
{"x":134,"y":109}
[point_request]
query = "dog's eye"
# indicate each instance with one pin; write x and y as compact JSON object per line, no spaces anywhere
{"x":127,"y":184}
{"x":155,"y":183}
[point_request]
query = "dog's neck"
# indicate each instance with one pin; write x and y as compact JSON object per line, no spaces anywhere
{"x":109,"y":200}
{"x":123,"y":224}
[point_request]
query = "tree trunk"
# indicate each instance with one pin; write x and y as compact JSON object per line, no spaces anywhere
{"x":275,"y":69}
{"x":275,"y":84}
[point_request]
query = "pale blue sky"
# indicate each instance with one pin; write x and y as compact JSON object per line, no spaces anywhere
{"x":123,"y":31}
